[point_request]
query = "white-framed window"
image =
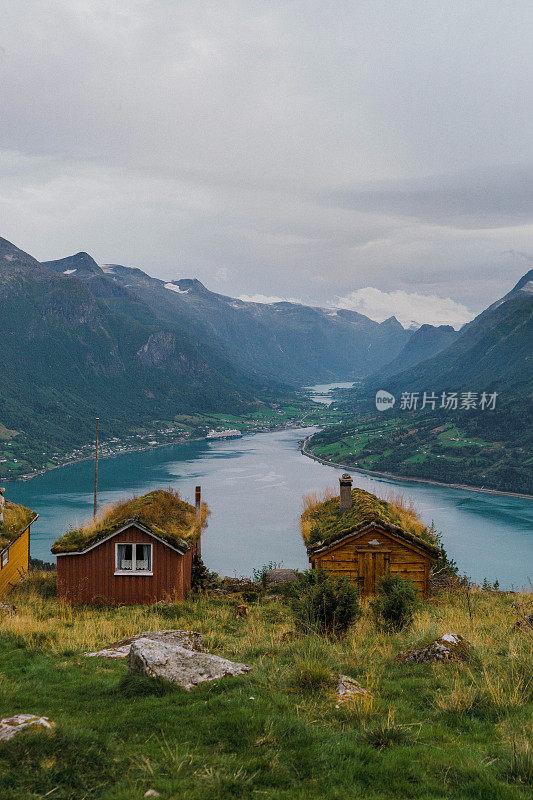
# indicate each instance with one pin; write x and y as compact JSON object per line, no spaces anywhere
{"x":5,"y":558}
{"x":133,"y":559}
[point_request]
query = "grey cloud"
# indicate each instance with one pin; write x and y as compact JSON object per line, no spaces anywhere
{"x":280,"y":148}
{"x":474,"y":199}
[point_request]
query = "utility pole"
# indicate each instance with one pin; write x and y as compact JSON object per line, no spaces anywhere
{"x":198,"y":506}
{"x":96,"y":469}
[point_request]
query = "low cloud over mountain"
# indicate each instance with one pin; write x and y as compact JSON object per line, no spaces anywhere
{"x":407,"y":307}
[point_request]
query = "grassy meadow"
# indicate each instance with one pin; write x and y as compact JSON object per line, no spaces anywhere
{"x":425,"y":732}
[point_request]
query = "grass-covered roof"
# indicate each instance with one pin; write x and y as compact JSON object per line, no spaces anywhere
{"x":16,"y":519}
{"x":323,"y":523}
{"x":164,"y":513}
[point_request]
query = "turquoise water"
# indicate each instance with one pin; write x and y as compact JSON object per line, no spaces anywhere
{"x":254,"y":486}
{"x":321,"y":392}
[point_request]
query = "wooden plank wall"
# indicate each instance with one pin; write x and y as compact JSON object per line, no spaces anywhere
{"x":350,"y":560}
{"x":90,"y":577}
{"x":18,"y":564}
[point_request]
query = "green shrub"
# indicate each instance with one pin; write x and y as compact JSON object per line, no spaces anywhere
{"x":258,"y":575}
{"x":323,"y":603}
{"x":395,"y":604}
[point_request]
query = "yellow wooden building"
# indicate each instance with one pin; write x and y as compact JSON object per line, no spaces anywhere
{"x":357,"y":536}
{"x":14,"y":544}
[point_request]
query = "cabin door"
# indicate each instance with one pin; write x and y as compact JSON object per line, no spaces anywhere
{"x":373,"y":565}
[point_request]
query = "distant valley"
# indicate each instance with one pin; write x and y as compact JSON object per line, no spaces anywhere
{"x":159,"y":361}
{"x":465,"y":440}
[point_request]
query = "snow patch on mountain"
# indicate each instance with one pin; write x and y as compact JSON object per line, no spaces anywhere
{"x":174,"y":288}
{"x":68,"y":271}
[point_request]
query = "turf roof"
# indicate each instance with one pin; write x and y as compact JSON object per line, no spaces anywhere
{"x":16,"y":519}
{"x":326,"y":523}
{"x":164,"y":513}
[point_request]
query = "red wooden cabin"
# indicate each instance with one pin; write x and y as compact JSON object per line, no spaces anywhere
{"x":141,"y":551}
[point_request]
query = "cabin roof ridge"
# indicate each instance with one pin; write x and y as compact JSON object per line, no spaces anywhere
{"x":387,"y":527}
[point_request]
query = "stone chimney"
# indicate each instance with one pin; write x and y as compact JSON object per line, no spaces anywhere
{"x":345,"y":499}
{"x":2,"y":503}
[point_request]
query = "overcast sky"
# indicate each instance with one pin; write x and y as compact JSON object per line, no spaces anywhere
{"x":375,"y":154}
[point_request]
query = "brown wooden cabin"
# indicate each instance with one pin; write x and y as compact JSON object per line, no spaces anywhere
{"x":140,"y":552}
{"x":15,"y":523}
{"x":357,"y":539}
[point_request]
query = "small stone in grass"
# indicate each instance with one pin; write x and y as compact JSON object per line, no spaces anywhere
{"x":10,"y":726}
{"x":347,"y":688}
{"x":448,"y":647}
{"x":152,"y":793}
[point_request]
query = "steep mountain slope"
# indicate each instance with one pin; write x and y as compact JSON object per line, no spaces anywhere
{"x":425,"y":342}
{"x":292,"y":343}
{"x":471,"y":444}
{"x":493,"y":352}
{"x":73,"y":349}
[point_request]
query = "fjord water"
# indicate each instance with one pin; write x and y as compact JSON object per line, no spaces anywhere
{"x":254,"y":486}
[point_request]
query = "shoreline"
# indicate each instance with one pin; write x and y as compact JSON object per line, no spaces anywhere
{"x":140,"y":450}
{"x":406,"y":478}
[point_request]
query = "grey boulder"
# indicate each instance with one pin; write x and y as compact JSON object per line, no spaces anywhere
{"x":277,"y":577}
{"x":188,"y":668}
{"x":191,"y":640}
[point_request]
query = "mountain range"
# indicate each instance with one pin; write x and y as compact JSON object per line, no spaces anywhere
{"x":491,"y":353}
{"x":81,"y":340}
{"x":285,"y":342}
{"x":75,"y":349}
{"x":468,"y":441}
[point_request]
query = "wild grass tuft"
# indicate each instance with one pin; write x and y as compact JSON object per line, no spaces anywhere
{"x":311,"y":677}
{"x":521,"y":759}
{"x":387,"y":733}
{"x":310,"y":504}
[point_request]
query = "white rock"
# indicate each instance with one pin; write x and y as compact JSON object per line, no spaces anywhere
{"x":453,"y":638}
{"x":10,"y":726}
{"x":152,"y":793}
{"x":347,"y":687}
{"x":164,"y":659}
{"x":191,"y":640}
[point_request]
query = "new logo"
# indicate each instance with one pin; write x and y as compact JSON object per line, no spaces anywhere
{"x":384,"y":400}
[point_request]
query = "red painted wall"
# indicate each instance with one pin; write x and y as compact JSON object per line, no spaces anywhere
{"x":90,"y":578}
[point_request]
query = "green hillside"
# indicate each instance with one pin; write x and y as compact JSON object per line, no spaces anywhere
{"x":430,"y":732}
{"x":483,"y":445}
{"x":69,"y":355}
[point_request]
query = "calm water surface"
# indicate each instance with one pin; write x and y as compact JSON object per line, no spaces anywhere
{"x":321,"y":392}
{"x":254,"y":487}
